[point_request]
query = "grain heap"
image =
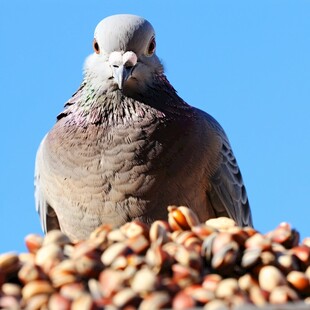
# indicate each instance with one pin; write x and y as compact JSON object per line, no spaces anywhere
{"x":180,"y":264}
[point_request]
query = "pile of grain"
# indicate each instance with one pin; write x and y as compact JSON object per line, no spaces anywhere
{"x":178,"y":264}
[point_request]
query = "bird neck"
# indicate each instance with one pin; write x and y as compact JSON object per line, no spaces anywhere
{"x":110,"y":108}
{"x":161,"y":95}
{"x":160,"y":100}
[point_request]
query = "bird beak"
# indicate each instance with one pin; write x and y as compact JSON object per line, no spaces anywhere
{"x":121,"y":74}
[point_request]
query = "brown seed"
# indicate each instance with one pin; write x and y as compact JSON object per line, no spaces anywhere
{"x":9,"y":302}
{"x":88,"y":248}
{"x":49,"y":256}
{"x":189,"y":240}
{"x":33,"y":242}
{"x":258,"y":296}
{"x":224,"y":260}
{"x":59,"y":302}
{"x":282,"y":295}
{"x":238,"y":300}
{"x":299,"y":281}
{"x":157,"y":258}
{"x":38,"y":302}
{"x":169,"y":247}
{"x":63,"y":273}
{"x":182,"y":218}
{"x":268,"y":258}
{"x":135,"y":260}
{"x":199,"y":293}
{"x":174,"y":235}
{"x":84,"y":302}
{"x":287,"y":262}
{"x":169,"y":285}
{"x":125,"y":297}
{"x":105,"y":303}
{"x":258,"y":241}
{"x":29,"y":272}
{"x":184,"y":275}
{"x":9,"y":263}
{"x":36,"y":287}
{"x":251,"y":257}
{"x":302,"y":252}
{"x":202,"y":231}
{"x":129,"y":272}
{"x":159,"y":232}
{"x":188,"y":258}
{"x":183,"y":301}
{"x":134,"y":229}
{"x":88,"y":266}
{"x":246,"y":282}
{"x":239,"y":235}
{"x":56,"y":237}
{"x":270,"y":277}
{"x":284,"y":235}
{"x":111,"y":281}
{"x":72,"y":290}
{"x":155,"y":300}
{"x":101,"y":233}
{"x":207,"y":246}
{"x":113,"y":251}
{"x":138,"y":244}
{"x":221,"y":240}
{"x":250,"y":231}
{"x":211,"y":281}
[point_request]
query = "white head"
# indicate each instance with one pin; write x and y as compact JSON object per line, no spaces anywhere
{"x":124,"y":55}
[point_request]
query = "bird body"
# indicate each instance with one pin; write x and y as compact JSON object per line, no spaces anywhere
{"x":126,"y":145}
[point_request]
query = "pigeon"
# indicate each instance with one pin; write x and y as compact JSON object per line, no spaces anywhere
{"x":126,"y":146}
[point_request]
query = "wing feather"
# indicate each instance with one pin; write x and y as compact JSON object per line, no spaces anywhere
{"x":228,"y":194}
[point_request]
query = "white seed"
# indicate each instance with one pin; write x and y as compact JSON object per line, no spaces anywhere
{"x":37,"y":287}
{"x":227,"y":288}
{"x":216,"y":304}
{"x":144,"y":281}
{"x":221,"y":223}
{"x":270,"y":277}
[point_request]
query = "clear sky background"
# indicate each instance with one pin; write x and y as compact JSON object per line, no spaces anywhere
{"x":247,"y":63}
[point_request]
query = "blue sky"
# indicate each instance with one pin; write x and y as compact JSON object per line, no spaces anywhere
{"x":245,"y":62}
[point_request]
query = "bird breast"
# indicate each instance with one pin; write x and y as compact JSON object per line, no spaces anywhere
{"x":113,"y":174}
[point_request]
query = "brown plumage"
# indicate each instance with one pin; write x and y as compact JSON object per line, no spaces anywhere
{"x":126,"y":145}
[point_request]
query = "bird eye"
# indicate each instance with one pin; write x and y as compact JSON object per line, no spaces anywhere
{"x":96,"y":47}
{"x":151,"y":48}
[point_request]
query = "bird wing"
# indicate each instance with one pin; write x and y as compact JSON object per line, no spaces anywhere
{"x":228,"y":194}
{"x":47,"y":215}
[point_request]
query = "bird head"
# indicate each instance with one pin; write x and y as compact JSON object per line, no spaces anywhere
{"x":124,"y":55}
